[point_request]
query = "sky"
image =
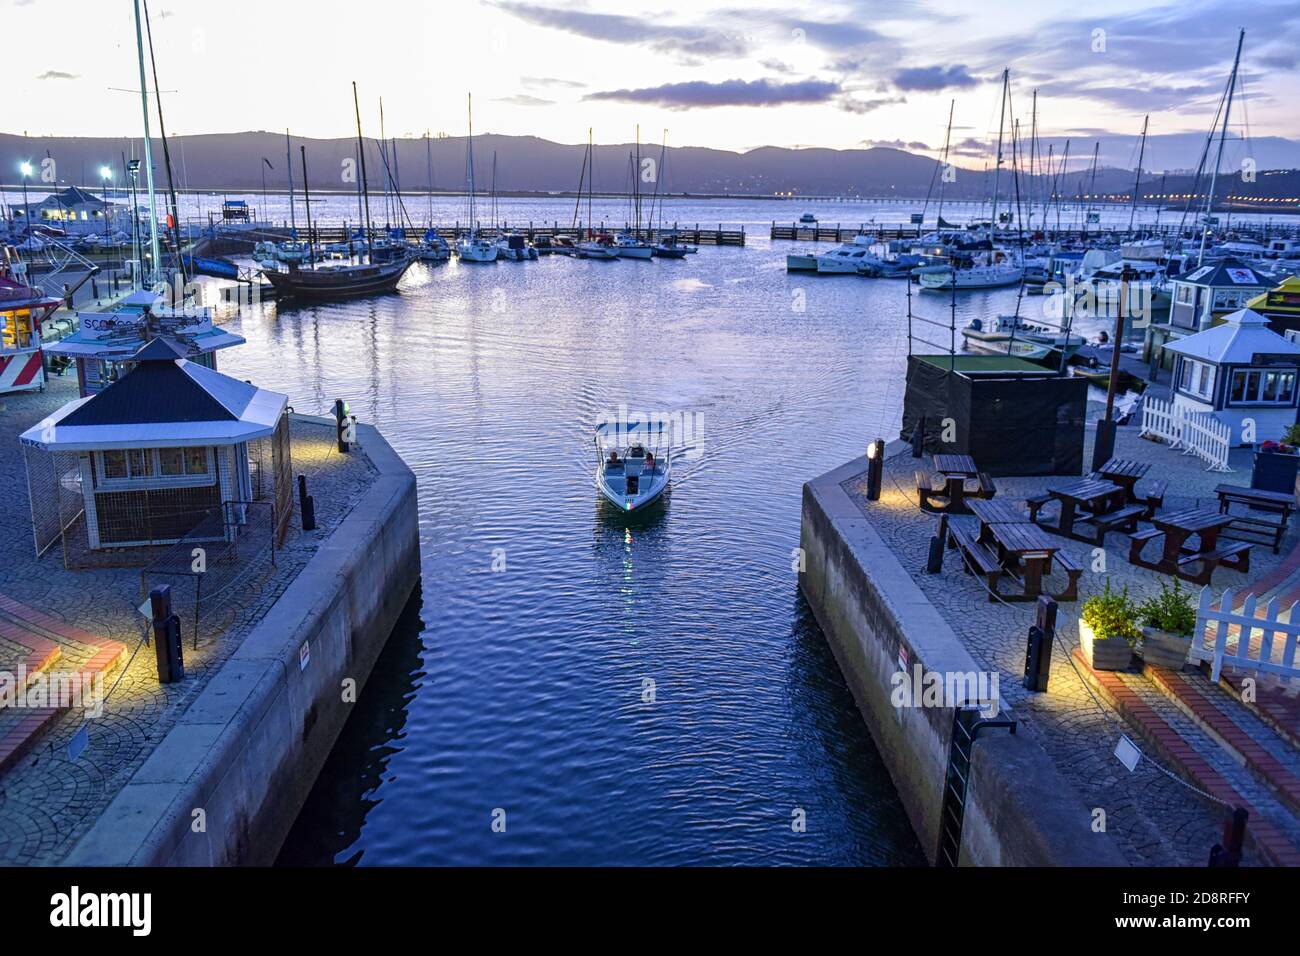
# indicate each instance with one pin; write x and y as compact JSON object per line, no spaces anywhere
{"x":719,"y":74}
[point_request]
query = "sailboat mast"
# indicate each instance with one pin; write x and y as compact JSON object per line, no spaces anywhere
{"x":306,"y":199}
{"x":1092,"y":186}
{"x":1033,"y":156}
{"x":1142,"y":151}
{"x":469,"y":162}
{"x":947,"y":139}
{"x":148,"y":151}
{"x":1214,"y":177}
{"x":428,"y":149}
{"x":997,"y":166}
{"x":288,"y":164}
{"x":365,"y":187}
{"x":590,"y":179}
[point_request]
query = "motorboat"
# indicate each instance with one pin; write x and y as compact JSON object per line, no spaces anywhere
{"x":1012,"y":335}
{"x":516,"y":248}
{"x":635,"y":463}
{"x":848,"y":258}
{"x":670,"y":248}
{"x":474,"y":248}
{"x":799,"y":262}
{"x":808,"y":219}
{"x":987,"y":270}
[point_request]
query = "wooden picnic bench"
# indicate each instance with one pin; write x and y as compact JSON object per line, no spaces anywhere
{"x":952,"y":495}
{"x":1271,"y":529}
{"x":1126,"y":474}
{"x":1178,"y":557}
{"x":1020,"y":548}
{"x":1088,"y":501}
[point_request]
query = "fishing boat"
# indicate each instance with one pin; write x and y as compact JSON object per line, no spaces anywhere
{"x":635,"y":463}
{"x":472,"y":247}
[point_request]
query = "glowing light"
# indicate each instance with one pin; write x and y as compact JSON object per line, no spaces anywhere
{"x":105,"y":172}
{"x":25,"y":168}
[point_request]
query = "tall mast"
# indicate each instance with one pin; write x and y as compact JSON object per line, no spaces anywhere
{"x":469,"y":160}
{"x":590,"y":179}
{"x":288,"y":163}
{"x":1214,"y":177}
{"x":365,"y":187}
{"x":428,"y":149}
{"x":1142,"y":151}
{"x":636,"y":181}
{"x":167,"y":156}
{"x":997,"y":166}
{"x":947,"y":138}
{"x":306,"y":198}
{"x":1092,"y":186}
{"x":148,"y":151}
{"x":1033,"y":155}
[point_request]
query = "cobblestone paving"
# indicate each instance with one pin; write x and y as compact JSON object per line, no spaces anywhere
{"x":1155,"y":820}
{"x":47,"y":801}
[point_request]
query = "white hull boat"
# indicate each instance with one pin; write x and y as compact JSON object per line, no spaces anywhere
{"x":475,"y":249}
{"x":635,"y":464}
{"x":942,"y":278}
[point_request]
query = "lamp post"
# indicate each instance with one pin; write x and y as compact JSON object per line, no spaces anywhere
{"x":26,"y":170}
{"x":105,"y":174}
{"x":875,"y":468}
{"x":1103,"y":447}
{"x":133,"y":169}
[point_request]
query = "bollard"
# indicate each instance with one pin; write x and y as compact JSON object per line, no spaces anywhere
{"x":94,"y":288}
{"x":306,"y":505}
{"x":166,"y":636}
{"x":1038,"y":651}
{"x":875,"y":468}
{"x":1234,"y":834}
{"x":340,"y":420}
{"x":934,"y":563}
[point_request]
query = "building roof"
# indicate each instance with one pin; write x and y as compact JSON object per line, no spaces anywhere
{"x":1282,"y":298}
{"x":1242,"y":336}
{"x":1228,"y":273}
{"x":165,"y":401}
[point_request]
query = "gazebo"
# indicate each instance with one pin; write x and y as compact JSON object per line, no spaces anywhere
{"x":1239,"y":370}
{"x":170,"y":451}
{"x":1203,"y":298}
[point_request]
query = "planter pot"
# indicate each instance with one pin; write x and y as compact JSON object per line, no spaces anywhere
{"x":1108,"y":654}
{"x":1275,"y":472}
{"x":1165,"y":649}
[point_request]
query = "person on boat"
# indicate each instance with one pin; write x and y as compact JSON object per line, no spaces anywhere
{"x":613,"y":457}
{"x":649,"y":461}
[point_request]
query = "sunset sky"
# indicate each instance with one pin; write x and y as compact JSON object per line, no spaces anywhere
{"x":713,"y":74}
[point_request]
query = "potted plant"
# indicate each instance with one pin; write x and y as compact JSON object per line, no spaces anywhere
{"x":1108,"y":629}
{"x":1168,"y":621}
{"x":1277,"y":462}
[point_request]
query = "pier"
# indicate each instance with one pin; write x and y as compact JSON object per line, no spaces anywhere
{"x":886,"y":232}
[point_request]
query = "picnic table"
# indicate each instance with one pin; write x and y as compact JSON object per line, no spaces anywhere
{"x":1256,"y":499}
{"x":1028,"y":547}
{"x":952,"y":498}
{"x":1009,"y":543}
{"x":1177,"y":556}
{"x":993,"y":511}
{"x":1101,"y":502}
{"x":1125,"y":473}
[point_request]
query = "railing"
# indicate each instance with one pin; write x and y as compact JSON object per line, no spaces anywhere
{"x":1197,"y":433}
{"x":1219,"y":628}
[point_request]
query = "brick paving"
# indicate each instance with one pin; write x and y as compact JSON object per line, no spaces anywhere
{"x":47,"y":799}
{"x":1154,"y":818}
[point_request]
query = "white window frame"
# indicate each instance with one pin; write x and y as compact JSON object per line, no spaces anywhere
{"x":157,"y":479}
{"x":1258,"y":400}
{"x":1194,"y":372}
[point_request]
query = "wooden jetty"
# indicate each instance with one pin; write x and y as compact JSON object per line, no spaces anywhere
{"x":883,"y":232}
{"x":694,"y":234}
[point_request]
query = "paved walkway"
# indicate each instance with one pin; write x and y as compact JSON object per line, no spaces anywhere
{"x":1157,"y":814}
{"x":48,"y":798}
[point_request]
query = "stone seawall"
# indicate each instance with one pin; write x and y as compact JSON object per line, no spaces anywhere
{"x":1019,"y":809}
{"x":227,"y":782}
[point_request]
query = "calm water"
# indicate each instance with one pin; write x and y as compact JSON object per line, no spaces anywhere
{"x":522,"y":689}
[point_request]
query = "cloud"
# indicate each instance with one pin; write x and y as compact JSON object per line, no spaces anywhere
{"x":914,"y":145}
{"x":523,"y":99}
{"x":931,"y":78}
{"x":688,"y":41}
{"x":858,"y":107}
{"x":698,"y":93}
{"x":546,"y":82}
{"x":57,"y":75}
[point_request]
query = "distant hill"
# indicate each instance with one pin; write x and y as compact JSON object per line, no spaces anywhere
{"x":234,"y":162}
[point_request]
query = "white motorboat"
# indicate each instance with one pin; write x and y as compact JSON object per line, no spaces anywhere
{"x":849,"y":258}
{"x":635,"y":463}
{"x":797,"y":262}
{"x":987,"y":271}
{"x":1010,"y":334}
{"x":474,"y":248}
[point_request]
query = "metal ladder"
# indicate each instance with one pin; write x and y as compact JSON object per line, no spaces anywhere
{"x":966,"y":727}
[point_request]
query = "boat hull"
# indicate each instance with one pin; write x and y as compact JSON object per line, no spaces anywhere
{"x":335,"y":284}
{"x":798,"y":263}
{"x":635,"y":252}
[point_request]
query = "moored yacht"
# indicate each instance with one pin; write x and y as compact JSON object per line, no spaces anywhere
{"x":515,"y":247}
{"x":848,"y":258}
{"x":628,"y":246}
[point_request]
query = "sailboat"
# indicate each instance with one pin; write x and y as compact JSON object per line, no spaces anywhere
{"x":667,"y":246}
{"x":324,"y":283}
{"x":472,"y":247}
{"x":628,"y":243}
{"x":592,"y":246}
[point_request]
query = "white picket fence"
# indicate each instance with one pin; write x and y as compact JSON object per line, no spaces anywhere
{"x":1196,"y":433}
{"x":1218,"y":629}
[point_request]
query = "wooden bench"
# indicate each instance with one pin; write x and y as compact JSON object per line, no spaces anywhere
{"x":1073,"y":570}
{"x":987,"y":489}
{"x":931,"y":499}
{"x":1155,"y":499}
{"x":1234,"y":555}
{"x":977,"y":559}
{"x":1271,"y":529}
{"x":1138,"y":541}
{"x":1036,"y":504}
{"x":1125,"y":518}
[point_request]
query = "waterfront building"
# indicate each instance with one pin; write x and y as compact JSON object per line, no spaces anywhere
{"x":1281,"y":306}
{"x":22,"y":309}
{"x":105,"y":345}
{"x":1201,"y":299}
{"x":70,"y":205}
{"x":163,"y":453}
{"x":1239,"y":370}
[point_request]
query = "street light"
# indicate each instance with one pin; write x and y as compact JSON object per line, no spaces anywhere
{"x":105,"y":174}
{"x":26,"y":170}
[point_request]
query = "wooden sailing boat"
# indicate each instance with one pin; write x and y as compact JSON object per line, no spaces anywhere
{"x":325,"y":283}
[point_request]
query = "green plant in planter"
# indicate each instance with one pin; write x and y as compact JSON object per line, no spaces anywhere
{"x":1171,"y":611}
{"x":1111,"y":614}
{"x":1292,"y":435}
